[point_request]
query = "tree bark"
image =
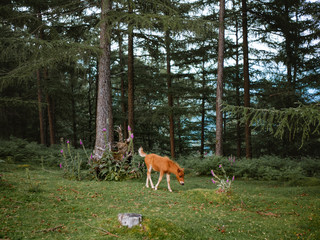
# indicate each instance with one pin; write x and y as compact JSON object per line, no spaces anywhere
{"x":219,"y":96}
{"x":74,"y":117}
{"x":203,"y":111}
{"x":39,"y":92}
{"x":123,"y":105}
{"x":246,"y":76}
{"x":104,"y":119}
{"x":170,"y":97}
{"x":238,"y":102}
{"x":41,"y":127}
{"x":90,"y":107}
{"x":50,"y":109}
{"x":130,"y":72}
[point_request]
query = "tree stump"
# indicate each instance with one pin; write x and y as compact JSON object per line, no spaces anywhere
{"x":129,"y":219}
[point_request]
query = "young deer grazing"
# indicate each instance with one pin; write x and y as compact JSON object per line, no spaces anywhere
{"x":163,"y":165}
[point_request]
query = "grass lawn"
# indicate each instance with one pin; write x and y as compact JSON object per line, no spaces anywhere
{"x":47,"y":206}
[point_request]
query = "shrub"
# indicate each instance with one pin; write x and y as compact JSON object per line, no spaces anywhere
{"x":111,"y":167}
{"x":20,"y":150}
{"x":263,"y":168}
{"x":200,"y":166}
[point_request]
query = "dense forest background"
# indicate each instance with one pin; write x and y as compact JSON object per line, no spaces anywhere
{"x":163,"y":71}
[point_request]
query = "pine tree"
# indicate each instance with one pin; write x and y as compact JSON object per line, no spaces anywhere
{"x":219,"y":97}
{"x":246,"y":76}
{"x":104,"y":119}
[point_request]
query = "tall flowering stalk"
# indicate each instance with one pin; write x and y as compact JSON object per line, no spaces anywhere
{"x":71,"y":164}
{"x":85,"y":151}
{"x":223,"y":182}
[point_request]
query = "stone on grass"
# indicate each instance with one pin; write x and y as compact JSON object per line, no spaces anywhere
{"x":129,"y":219}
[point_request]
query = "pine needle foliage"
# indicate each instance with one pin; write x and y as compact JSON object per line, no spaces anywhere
{"x":303,"y":120}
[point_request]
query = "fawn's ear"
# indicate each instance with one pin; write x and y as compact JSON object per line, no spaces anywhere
{"x":179,"y":170}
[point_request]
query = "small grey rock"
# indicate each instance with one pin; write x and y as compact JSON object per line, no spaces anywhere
{"x":129,"y":219}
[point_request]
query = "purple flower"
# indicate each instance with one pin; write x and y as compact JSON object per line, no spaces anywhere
{"x":61,"y":151}
{"x":212,"y":173}
{"x":129,"y":128}
{"x":213,"y":181}
{"x":68,"y":141}
{"x":104,"y":129}
{"x":81,"y":142}
{"x":60,"y":165}
{"x":132,"y":136}
{"x":91,"y":156}
{"x":233,"y":178}
{"x":220,"y":166}
{"x":227,"y":180}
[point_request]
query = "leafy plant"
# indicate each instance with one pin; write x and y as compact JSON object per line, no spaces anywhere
{"x":112,"y":168}
{"x":223,"y":182}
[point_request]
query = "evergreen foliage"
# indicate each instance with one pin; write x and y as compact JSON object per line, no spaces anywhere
{"x":60,"y":42}
{"x":303,"y":120}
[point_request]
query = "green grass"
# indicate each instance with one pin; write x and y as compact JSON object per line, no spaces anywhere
{"x":47,"y":206}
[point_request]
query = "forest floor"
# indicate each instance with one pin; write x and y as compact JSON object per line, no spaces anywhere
{"x":39,"y":204}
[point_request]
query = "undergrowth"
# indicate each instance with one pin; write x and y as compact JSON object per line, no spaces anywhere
{"x":68,"y":209}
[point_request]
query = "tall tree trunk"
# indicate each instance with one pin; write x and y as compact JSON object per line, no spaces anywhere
{"x":74,"y":117}
{"x":246,"y":76}
{"x":179,"y":130}
{"x":170,"y":97}
{"x":238,"y":130}
{"x":219,"y":96}
{"x":130,"y":72}
{"x":104,"y":119}
{"x":90,"y":108}
{"x":50,"y":112}
{"x":41,"y":127}
{"x":39,"y":87}
{"x":288,"y":41}
{"x":123,"y":105}
{"x":203,"y":111}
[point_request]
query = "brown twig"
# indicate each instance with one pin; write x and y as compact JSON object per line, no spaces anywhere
{"x":102,"y":230}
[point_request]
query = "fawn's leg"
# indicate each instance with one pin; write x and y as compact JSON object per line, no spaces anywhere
{"x":149,"y":177}
{"x":168,"y":181}
{"x":160,"y":178}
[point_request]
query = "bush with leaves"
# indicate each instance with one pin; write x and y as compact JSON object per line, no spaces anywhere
{"x":268,"y":167}
{"x":112,"y":168}
{"x":17,"y":150}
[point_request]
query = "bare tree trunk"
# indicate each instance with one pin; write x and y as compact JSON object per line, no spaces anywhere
{"x":123,"y":105}
{"x":104,"y":119}
{"x":39,"y":86}
{"x":50,"y":113}
{"x":246,"y":76}
{"x":219,"y":96}
{"x":90,"y":108}
{"x":42,"y":138}
{"x":74,"y":117}
{"x":203,"y":111}
{"x":238,"y":130}
{"x":130,"y":72}
{"x":180,"y":145}
{"x":170,"y":97}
